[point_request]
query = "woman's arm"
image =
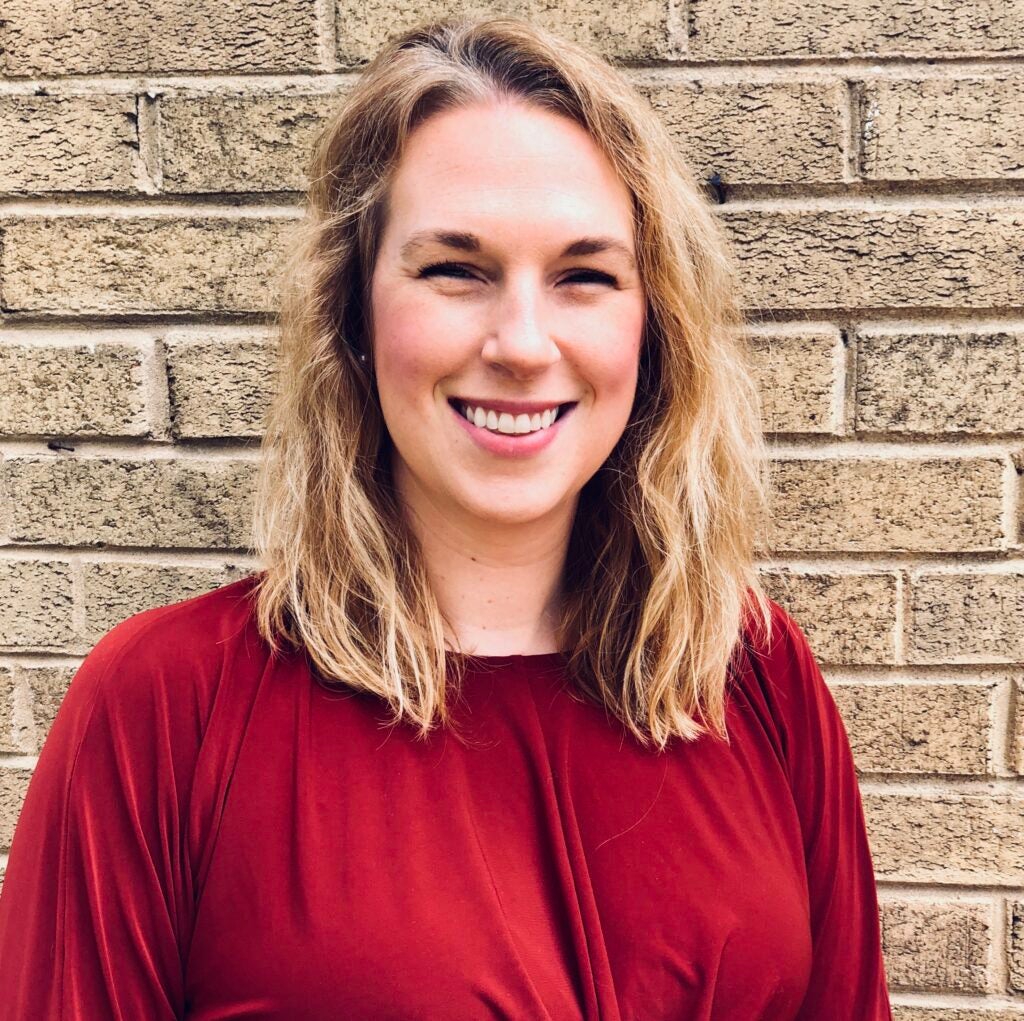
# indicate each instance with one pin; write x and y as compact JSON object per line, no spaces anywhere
{"x":97,"y":897}
{"x":847,"y":981}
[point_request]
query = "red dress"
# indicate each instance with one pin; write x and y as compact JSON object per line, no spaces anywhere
{"x":210,"y":834}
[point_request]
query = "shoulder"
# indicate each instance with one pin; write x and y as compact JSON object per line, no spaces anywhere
{"x":164,"y":666}
{"x":780,"y":676}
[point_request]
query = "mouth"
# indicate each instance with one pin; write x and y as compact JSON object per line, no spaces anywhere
{"x":536,"y":417}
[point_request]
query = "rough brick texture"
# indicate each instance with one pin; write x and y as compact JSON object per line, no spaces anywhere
{"x":943,"y":128}
{"x":635,"y":32}
{"x":864,"y":258}
{"x":94,"y":264}
{"x":220,"y":384}
{"x":84,"y":388}
{"x":940,"y":382}
{"x":68,"y":143}
{"x":888,"y":503}
{"x":110,"y":36}
{"x":732,"y":28}
{"x":941,"y":947}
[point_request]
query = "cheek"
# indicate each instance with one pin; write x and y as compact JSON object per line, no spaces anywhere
{"x":413,"y":347}
{"x":614,"y":355}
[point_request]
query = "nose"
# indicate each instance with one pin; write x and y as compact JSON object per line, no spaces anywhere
{"x":519,"y":340}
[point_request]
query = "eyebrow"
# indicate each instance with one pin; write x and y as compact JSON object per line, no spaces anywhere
{"x":466,"y":242}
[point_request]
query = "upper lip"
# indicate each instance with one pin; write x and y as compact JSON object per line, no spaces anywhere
{"x":512,"y":407}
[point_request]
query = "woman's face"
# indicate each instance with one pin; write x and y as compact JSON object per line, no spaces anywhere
{"x":506,"y":284}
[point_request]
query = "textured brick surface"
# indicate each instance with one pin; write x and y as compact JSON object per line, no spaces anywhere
{"x":880,"y":504}
{"x":215,"y":143}
{"x":909,"y":728}
{"x":35,"y":604}
{"x":1017,"y":735}
{"x":901,"y":1013}
{"x":943,"y":128}
{"x":870,"y":258}
{"x":220,"y":384}
{"x":87,"y":389}
{"x":68,"y":143}
{"x":619,"y":31}
{"x":96,"y":264}
{"x":11,"y":737}
{"x":100,"y":501}
{"x":848,"y":618}
{"x":47,"y":686}
{"x":947,"y":838}
{"x":719,"y":128}
{"x":939,"y":947}
{"x":966,"y":618}
{"x":1015,"y":951}
{"x":97,"y":36}
{"x":733,"y":28}
{"x":940,"y":382}
{"x":13,"y":784}
{"x":796,"y":373}
{"x":112,"y":592}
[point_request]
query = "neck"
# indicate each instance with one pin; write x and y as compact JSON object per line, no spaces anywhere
{"x":498,"y":584}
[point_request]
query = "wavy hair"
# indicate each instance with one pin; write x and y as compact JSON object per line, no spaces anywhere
{"x":660,"y":584}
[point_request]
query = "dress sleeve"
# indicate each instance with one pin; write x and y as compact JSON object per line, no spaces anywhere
{"x":96,"y":903}
{"x":847,"y":981}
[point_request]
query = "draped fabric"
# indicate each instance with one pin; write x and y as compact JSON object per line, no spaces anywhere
{"x":212,"y":833}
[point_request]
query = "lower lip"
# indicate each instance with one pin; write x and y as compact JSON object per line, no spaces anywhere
{"x":511,"y":444}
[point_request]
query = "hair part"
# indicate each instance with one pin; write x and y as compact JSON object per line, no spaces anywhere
{"x":660,"y":584}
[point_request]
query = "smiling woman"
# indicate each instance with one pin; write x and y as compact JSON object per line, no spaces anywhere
{"x":511,"y":487}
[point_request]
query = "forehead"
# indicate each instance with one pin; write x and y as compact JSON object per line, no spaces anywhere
{"x":499,"y":164}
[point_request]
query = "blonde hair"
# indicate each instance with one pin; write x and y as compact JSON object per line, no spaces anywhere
{"x":660,"y":583}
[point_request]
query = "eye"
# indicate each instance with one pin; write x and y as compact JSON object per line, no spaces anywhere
{"x":458,"y":271}
{"x":592,"y":276}
{"x":455,"y":269}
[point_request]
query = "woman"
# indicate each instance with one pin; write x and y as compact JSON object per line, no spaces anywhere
{"x":508,"y":510}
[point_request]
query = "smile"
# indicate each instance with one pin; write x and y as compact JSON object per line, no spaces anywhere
{"x":511,"y":435}
{"x":506,"y":423}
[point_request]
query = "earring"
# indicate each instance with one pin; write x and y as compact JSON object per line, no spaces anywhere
{"x":362,"y":357}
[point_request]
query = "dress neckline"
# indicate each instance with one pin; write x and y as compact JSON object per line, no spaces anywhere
{"x":529,"y":659}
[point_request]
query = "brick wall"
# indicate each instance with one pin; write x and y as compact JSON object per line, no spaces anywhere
{"x":872,"y":163}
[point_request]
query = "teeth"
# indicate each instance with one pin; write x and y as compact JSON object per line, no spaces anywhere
{"x":511,"y":425}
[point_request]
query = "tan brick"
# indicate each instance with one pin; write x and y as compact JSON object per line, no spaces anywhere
{"x":85,"y":389}
{"x":100,"y":501}
{"x":940,"y":382}
{"x":720,"y":128}
{"x":35,"y":604}
{"x":966,"y":618}
{"x":1017,"y":737}
{"x":937,"y":947}
{"x":115,"y":591}
{"x":943,"y":128}
{"x":848,"y":618}
{"x":220,"y":384}
{"x":877,"y":258}
{"x":622,"y":32}
{"x":1015,"y":950}
{"x":910,"y":728}
{"x":12,"y":737}
{"x":47,"y":687}
{"x":903,"y":1013}
{"x":97,"y":36}
{"x":948,"y":838}
{"x":797,"y":373}
{"x":13,"y":785}
{"x":68,"y":143}
{"x":94,"y":264}
{"x":731,"y":28}
{"x":888,"y":504}
{"x":217,"y":143}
